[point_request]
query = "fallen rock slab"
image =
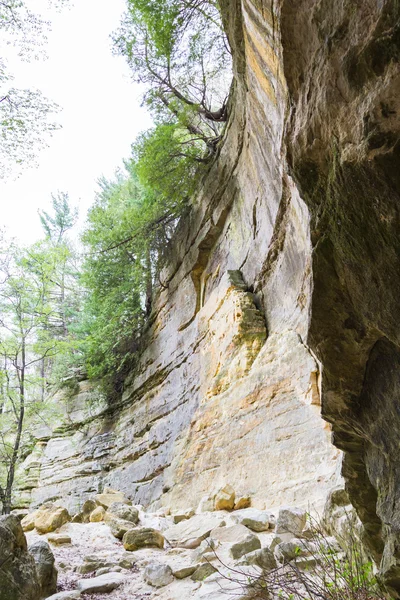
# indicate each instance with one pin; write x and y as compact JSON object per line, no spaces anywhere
{"x":101,"y":584}
{"x":183,"y":515}
{"x":291,"y":520}
{"x":50,"y":518}
{"x":254,"y":519}
{"x":203,"y":571}
{"x":59,"y":539}
{"x":118,"y":527}
{"x":69,"y":595}
{"x":183,"y":572}
{"x":158,"y":574}
{"x":190,"y":533}
{"x":263,"y":558}
{"x":142,"y":538}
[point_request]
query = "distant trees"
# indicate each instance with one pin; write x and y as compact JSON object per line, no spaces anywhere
{"x":25,"y":114}
{"x":25,"y":341}
{"x":38,"y":299}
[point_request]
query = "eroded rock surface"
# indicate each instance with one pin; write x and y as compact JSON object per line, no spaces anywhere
{"x":282,"y":298}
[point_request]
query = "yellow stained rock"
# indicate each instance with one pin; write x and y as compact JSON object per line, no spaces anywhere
{"x":97,"y":515}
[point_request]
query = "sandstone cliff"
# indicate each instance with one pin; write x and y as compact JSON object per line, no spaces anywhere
{"x":281,"y":302}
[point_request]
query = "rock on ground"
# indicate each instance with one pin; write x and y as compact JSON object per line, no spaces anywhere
{"x":158,"y":574}
{"x":47,"y":573}
{"x":51,"y":517}
{"x":190,"y":534}
{"x":142,"y":538}
{"x":102,"y":584}
{"x":18,"y":577}
{"x":291,"y":520}
{"x":254,"y":519}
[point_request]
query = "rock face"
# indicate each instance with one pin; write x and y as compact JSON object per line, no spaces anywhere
{"x":281,"y":302}
{"x":18,"y":577}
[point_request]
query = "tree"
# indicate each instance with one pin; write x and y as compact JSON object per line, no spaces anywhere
{"x":178,"y":50}
{"x":25,"y":341}
{"x":64,"y":218}
{"x":24,"y":114}
{"x":65,"y":272}
{"x":127,"y":235}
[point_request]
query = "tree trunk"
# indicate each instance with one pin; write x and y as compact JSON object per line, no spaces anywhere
{"x":149,"y":282}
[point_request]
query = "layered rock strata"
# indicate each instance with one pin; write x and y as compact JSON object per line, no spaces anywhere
{"x":282,"y":293}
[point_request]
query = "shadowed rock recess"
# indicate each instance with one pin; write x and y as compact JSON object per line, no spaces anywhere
{"x":282,"y":298}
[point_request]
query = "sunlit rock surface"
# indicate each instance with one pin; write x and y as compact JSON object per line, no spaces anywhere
{"x":282,"y":294}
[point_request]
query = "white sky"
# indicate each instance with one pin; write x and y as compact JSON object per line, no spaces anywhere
{"x":101,"y":114}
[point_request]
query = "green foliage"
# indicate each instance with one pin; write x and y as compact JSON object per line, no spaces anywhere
{"x":26,"y":344}
{"x":64,"y":218}
{"x":167,"y":162}
{"x":127,"y":234}
{"x":25,"y":114}
{"x":178,"y":51}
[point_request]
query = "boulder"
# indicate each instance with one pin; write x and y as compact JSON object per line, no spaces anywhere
{"x":291,"y":520}
{"x":238,"y":538}
{"x":97,"y":515}
{"x":183,"y":572}
{"x":104,"y":570}
{"x":183,"y":515}
{"x":106,"y":499}
{"x":203,"y":571}
{"x":69,"y":595}
{"x":287,"y":551}
{"x":18,"y":577}
{"x":142,"y":538}
{"x":59,"y":539}
{"x":83,"y":517}
{"x":77,"y":518}
{"x":51,"y":517}
{"x":263,"y":558}
{"x":225,"y":498}
{"x":118,"y":527}
{"x":28,"y":522}
{"x":254,"y":519}
{"x":242,"y":502}
{"x":127,"y":562}
{"x":46,"y":571}
{"x":158,"y":574}
{"x":123,"y":511}
{"x":93,"y":563}
{"x":101,"y":584}
{"x":248,"y":544}
{"x":190,"y":533}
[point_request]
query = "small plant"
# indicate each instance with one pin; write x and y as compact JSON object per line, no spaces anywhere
{"x":323,"y":569}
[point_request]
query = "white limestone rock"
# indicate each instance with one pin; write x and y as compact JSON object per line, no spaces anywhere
{"x":256,"y":520}
{"x":102,"y":584}
{"x":190,"y":533}
{"x":291,"y":520}
{"x":158,"y":574}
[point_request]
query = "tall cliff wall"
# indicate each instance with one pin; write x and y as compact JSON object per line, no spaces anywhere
{"x":282,"y":294}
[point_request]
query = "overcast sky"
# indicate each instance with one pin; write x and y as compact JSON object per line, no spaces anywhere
{"x":101,"y":114}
